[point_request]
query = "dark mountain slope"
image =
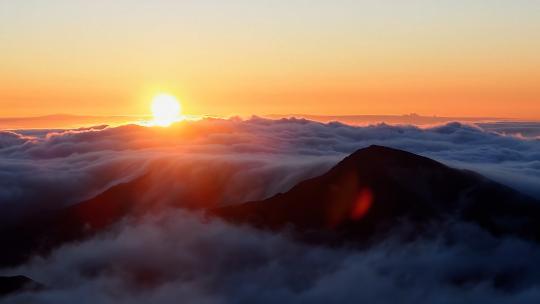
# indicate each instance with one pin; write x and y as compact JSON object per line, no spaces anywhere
{"x":375,"y":188}
{"x":41,"y":232}
{"x":14,"y":284}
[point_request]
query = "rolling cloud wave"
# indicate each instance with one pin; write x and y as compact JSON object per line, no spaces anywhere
{"x":64,"y":167}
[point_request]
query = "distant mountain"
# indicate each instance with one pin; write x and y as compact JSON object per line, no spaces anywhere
{"x":413,"y":119}
{"x":65,"y":121}
{"x":375,"y":189}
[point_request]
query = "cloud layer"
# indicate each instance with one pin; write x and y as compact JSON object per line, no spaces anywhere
{"x":63,"y":167}
{"x":178,"y":255}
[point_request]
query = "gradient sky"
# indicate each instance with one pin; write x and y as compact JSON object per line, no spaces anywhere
{"x":449,"y":58}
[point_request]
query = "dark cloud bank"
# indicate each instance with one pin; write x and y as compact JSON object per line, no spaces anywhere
{"x":178,"y":256}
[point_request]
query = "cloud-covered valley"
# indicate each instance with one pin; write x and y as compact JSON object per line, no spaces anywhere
{"x":174,"y":255}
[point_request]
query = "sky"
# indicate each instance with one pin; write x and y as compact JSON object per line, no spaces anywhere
{"x":240,"y":57}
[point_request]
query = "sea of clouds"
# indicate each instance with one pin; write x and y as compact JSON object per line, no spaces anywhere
{"x":177,"y":256}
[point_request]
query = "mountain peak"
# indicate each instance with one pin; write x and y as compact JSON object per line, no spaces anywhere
{"x":388,"y":155}
{"x":376,"y":187}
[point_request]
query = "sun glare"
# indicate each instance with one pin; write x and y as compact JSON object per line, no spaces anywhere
{"x":165,"y":110}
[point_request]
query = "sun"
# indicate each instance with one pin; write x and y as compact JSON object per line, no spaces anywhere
{"x":165,"y":110}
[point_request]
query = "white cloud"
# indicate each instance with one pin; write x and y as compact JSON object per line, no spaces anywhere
{"x":175,"y":255}
{"x":63,"y":167}
{"x":180,"y":256}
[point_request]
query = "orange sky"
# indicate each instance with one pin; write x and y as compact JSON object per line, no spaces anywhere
{"x":450,"y":58}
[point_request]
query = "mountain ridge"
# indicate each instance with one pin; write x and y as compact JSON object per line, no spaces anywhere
{"x":364,"y":196}
{"x":371,"y":190}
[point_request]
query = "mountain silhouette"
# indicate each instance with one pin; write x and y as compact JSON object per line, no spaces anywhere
{"x":366,"y":195}
{"x":42,"y":231}
{"x":13,"y":284}
{"x":376,"y":188}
